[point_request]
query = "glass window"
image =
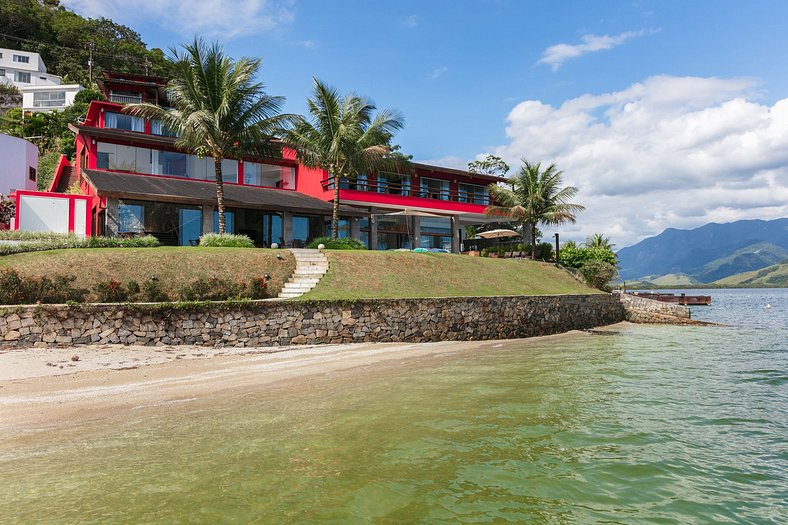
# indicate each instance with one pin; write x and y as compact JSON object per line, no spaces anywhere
{"x":21,"y":58}
{"x":131,"y":218}
{"x":272,"y":229}
{"x":473,"y":193}
{"x":157,"y":128}
{"x":344,"y":228}
{"x":49,"y":100}
{"x":22,"y":77}
{"x":229,"y":170}
{"x":229,"y":221}
{"x":394,"y":184}
{"x":359,"y":183}
{"x":172,"y":163}
{"x":189,"y":226}
{"x":2,"y":71}
{"x":126,"y":122}
{"x":434,"y":189}
{"x":270,"y":175}
{"x":123,"y":158}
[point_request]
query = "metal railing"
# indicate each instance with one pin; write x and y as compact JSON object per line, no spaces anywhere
{"x":392,"y":188}
{"x":128,"y":99}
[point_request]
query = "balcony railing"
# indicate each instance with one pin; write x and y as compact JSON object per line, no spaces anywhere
{"x":129,"y":99}
{"x":390,"y":188}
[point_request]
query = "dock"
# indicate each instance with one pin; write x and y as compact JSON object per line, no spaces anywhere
{"x":681,"y":299}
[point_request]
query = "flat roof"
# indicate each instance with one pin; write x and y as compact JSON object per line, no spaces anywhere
{"x":455,"y":171}
{"x":169,"y":189}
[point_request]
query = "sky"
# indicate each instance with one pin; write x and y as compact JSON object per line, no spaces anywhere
{"x":668,"y":113}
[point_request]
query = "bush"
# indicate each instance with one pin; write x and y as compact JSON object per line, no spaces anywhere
{"x":152,"y":291}
{"x":343,"y":243}
{"x":16,"y":289}
{"x":40,"y":241}
{"x":598,"y":274}
{"x":574,"y":257}
{"x":110,"y":291}
{"x":7,"y":210}
{"x":212,"y":289}
{"x":228,"y":240}
{"x":544,"y":251}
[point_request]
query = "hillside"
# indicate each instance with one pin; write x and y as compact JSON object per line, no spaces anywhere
{"x":63,"y":38}
{"x":771,"y":276}
{"x":708,"y":253}
{"x":374,"y":274}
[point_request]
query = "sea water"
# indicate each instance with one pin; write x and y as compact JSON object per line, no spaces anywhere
{"x":633,"y":424}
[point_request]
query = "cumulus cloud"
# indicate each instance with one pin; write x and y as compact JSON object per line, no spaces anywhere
{"x":215,"y":18}
{"x":666,"y":152}
{"x":556,"y":55}
{"x":449,"y":161}
{"x":438,"y":72}
{"x":411,"y":21}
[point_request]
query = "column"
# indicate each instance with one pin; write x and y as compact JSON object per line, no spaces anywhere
{"x":355,"y":228}
{"x":416,"y":232}
{"x":287,"y":228}
{"x":373,"y":232}
{"x":112,"y":218}
{"x":207,"y":218}
{"x":455,"y":234}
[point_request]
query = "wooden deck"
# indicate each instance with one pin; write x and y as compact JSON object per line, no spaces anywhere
{"x":682,"y":299}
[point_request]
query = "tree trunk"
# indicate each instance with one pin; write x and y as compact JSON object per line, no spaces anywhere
{"x":217,"y":168}
{"x":335,"y":212}
{"x":533,"y":241}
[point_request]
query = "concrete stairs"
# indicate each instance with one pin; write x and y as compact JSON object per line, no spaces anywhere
{"x":311,"y":265}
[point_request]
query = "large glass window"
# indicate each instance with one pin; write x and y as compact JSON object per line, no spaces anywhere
{"x":189,"y":226}
{"x":122,"y":121}
{"x":473,"y":193}
{"x":157,"y":128}
{"x":306,"y":228}
{"x":359,"y":183}
{"x":229,"y":170}
{"x":435,"y":232}
{"x":270,"y":175}
{"x":123,"y":158}
{"x":434,"y":189}
{"x":21,"y":77}
{"x":272,"y":229}
{"x":344,"y":228}
{"x":131,"y":218}
{"x":393,"y":183}
{"x":22,"y":59}
{"x":172,"y":163}
{"x":49,"y":100}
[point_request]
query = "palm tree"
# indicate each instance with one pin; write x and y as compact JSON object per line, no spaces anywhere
{"x":536,"y":196}
{"x":598,"y":240}
{"x":342,"y":136}
{"x":218,"y":109}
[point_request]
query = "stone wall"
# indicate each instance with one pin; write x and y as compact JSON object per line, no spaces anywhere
{"x":273,"y":323}
{"x":641,"y":310}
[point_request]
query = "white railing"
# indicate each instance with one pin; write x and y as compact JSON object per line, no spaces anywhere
{"x":124,"y":99}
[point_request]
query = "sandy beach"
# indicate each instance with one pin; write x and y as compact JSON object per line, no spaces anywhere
{"x":43,"y":387}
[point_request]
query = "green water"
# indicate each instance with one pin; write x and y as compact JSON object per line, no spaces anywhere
{"x":645,"y":425}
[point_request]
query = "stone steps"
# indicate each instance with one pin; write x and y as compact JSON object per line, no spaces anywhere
{"x":311,"y":265}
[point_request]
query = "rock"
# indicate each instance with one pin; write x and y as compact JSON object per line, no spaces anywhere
{"x":75,"y":357}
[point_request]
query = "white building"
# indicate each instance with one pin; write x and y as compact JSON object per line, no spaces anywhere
{"x":19,"y":164}
{"x":40,"y":90}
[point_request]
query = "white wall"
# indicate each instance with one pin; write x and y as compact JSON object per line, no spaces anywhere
{"x":28,"y":96}
{"x":34,"y":66}
{"x":17,"y":156}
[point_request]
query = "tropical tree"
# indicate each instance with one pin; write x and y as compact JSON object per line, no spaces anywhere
{"x":218,"y":109}
{"x":490,"y":165}
{"x":535,"y":196}
{"x":598,"y":240}
{"x":343,"y":136}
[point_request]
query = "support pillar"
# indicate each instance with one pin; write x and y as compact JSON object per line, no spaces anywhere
{"x":287,"y":228}
{"x":373,"y":232}
{"x":416,"y":232}
{"x":355,"y":228}
{"x":112,"y":218}
{"x":455,"y":234}
{"x":207,"y":218}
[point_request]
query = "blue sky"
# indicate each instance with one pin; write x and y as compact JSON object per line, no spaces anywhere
{"x":673,"y":104}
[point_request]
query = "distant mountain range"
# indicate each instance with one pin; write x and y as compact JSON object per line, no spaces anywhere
{"x":708,"y":254}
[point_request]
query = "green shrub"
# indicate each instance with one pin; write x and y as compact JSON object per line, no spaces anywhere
{"x":152,"y":290}
{"x":258,"y":288}
{"x":598,"y":274}
{"x":485,"y":252}
{"x":228,"y":240}
{"x":40,"y":241}
{"x":111,"y":291}
{"x":343,"y":243}
{"x":575,"y":257}
{"x":211,"y":289}
{"x":16,"y":289}
{"x":544,"y":251}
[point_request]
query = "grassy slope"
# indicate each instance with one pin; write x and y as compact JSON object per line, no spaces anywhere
{"x":775,"y":275}
{"x":172,"y":265}
{"x":369,"y":274}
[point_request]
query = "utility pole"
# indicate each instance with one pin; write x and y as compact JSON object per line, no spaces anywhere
{"x":557,"y":252}
{"x":91,"y":45}
{"x":147,"y":64}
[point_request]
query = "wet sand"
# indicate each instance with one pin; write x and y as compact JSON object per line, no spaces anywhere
{"x":44,"y":387}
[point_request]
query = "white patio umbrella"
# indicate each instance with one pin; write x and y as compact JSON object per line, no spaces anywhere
{"x":496,"y":234}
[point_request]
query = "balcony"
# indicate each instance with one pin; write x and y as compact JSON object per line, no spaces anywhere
{"x":129,"y":99}
{"x":390,"y":188}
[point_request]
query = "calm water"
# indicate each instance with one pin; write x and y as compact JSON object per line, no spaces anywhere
{"x":649,"y":424}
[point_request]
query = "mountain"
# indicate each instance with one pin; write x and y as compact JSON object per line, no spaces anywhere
{"x":775,"y":275}
{"x":708,"y":253}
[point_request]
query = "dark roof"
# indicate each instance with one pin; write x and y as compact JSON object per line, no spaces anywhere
{"x":168,"y":189}
{"x":132,"y":137}
{"x":463,"y":173}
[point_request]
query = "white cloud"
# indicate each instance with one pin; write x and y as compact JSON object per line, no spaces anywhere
{"x":412,"y":21}
{"x":214,"y":18}
{"x":437,"y":72}
{"x":556,"y":55}
{"x":667,"y":152}
{"x":449,"y":161}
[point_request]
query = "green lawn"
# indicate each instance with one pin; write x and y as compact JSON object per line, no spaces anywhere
{"x":378,"y":274}
{"x":173,"y":266}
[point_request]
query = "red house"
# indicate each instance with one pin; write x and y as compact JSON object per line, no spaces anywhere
{"x":140,"y":182}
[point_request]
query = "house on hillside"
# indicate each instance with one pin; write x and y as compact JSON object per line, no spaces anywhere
{"x":41,"y":91}
{"x":18,"y":164}
{"x":141,"y":183}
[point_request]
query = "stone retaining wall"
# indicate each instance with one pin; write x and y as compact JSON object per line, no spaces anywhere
{"x":280,"y":323}
{"x":642,"y":310}
{"x":286,"y":323}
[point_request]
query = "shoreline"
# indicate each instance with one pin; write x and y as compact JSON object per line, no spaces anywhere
{"x":44,"y":387}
